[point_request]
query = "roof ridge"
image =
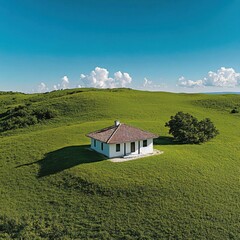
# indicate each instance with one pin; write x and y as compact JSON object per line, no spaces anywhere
{"x":113,"y":133}
{"x":100,"y":130}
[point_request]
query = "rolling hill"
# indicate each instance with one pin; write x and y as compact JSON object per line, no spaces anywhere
{"x":53,"y":187}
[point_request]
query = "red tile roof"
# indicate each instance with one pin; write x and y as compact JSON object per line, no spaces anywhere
{"x":121,"y":133}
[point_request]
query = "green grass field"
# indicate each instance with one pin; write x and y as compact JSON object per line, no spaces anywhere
{"x":52,"y":187}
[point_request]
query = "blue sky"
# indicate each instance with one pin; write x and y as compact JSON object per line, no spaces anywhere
{"x":46,"y":43}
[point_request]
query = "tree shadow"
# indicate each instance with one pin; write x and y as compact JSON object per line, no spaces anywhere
{"x":65,"y":158}
{"x":165,"y":140}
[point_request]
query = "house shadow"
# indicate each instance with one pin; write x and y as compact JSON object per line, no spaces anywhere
{"x":65,"y":158}
{"x":165,"y":140}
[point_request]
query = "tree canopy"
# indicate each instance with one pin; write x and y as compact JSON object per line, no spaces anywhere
{"x":186,"y":128}
{"x":234,"y":110}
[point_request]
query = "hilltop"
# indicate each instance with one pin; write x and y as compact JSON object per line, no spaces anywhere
{"x":52,"y":187}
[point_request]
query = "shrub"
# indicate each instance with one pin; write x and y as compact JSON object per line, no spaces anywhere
{"x":235,"y":110}
{"x":43,"y":114}
{"x":23,"y":116}
{"x":187,"y":129}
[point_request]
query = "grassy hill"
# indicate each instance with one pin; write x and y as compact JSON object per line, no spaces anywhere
{"x":52,"y":187}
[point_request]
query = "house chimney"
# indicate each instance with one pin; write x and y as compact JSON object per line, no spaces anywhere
{"x":116,"y":122}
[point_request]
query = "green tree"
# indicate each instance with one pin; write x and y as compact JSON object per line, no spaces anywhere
{"x":187,"y":129}
{"x":235,"y":110}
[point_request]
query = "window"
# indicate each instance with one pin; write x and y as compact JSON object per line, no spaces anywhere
{"x":102,"y":146}
{"x":144,"y":143}
{"x":94,"y":142}
{"x":132,"y":146}
{"x":117,"y":147}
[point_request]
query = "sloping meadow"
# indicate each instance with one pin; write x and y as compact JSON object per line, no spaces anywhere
{"x":53,"y":187}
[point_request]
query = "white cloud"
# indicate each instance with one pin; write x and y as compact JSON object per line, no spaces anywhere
{"x":147,"y":82}
{"x":63,"y":85}
{"x":42,"y":87}
{"x":56,"y":87}
{"x":122,"y":79}
{"x":152,"y":86}
{"x":224,"y":77}
{"x":182,"y":82}
{"x":99,"y":78}
{"x":65,"y":82}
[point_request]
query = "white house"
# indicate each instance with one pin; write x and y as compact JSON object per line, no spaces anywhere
{"x":121,"y":140}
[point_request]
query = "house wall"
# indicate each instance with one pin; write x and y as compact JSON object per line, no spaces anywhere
{"x":148,"y":148}
{"x":105,"y":150}
{"x":143,"y":150}
{"x":109,"y":150}
{"x":112,"y":150}
{"x":128,"y":148}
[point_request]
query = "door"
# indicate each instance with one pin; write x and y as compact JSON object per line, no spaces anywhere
{"x":125,"y":149}
{"x":132,"y":146}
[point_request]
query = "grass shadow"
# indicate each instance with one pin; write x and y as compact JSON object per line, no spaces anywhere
{"x":4,"y":114}
{"x":165,"y":140}
{"x":65,"y":158}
